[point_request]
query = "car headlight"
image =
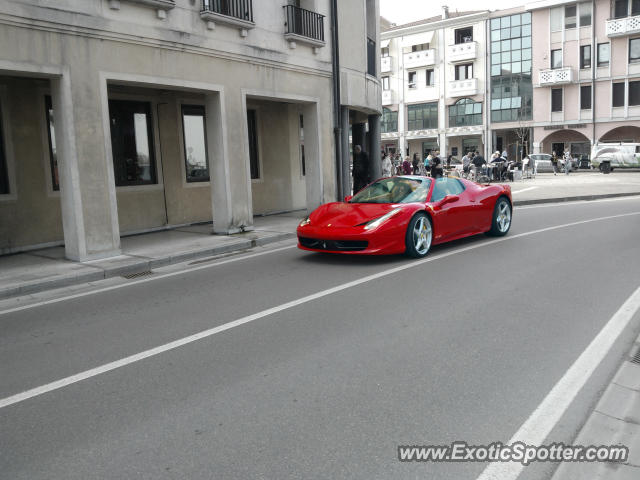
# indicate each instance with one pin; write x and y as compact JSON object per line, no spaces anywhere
{"x":379,"y":221}
{"x":304,"y":222}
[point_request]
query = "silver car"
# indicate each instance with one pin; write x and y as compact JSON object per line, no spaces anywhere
{"x":542,"y":162}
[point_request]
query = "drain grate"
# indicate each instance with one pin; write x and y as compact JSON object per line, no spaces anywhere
{"x":636,"y":357}
{"x":129,"y":276}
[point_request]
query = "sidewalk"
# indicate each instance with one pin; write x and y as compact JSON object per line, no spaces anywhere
{"x":46,"y":269}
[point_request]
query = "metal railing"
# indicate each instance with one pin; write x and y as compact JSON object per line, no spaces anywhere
{"x":371,"y":57}
{"x":304,"y":22}
{"x":242,"y":9}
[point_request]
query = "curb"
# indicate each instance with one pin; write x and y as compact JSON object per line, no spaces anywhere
{"x":138,"y":267}
{"x":573,"y":199}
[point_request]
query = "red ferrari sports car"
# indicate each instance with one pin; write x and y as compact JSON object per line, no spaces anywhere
{"x":407,"y":214}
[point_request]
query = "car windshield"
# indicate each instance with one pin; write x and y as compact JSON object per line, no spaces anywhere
{"x":394,"y":190}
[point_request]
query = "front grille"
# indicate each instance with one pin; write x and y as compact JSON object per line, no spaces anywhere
{"x":334,"y":245}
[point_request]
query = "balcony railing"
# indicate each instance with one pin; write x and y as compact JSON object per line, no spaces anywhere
{"x":421,"y":58}
{"x":385,"y":64}
{"x":233,"y":12}
{"x":372,"y":53}
{"x":619,"y":27}
{"x":462,"y":51}
{"x":387,"y":97}
{"x":304,"y":25}
{"x":463,"y":88}
{"x":555,"y":76}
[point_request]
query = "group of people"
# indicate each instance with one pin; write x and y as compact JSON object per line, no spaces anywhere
{"x":393,"y":164}
{"x":566,"y":161}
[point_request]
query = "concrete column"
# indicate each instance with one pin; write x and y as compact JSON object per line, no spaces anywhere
{"x":375,"y":166}
{"x":346,"y":170}
{"x":87,"y":187}
{"x":218,"y":155}
{"x":442,"y":142}
{"x":313,"y":155}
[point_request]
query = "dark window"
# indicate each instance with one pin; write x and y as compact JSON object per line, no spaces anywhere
{"x":604,"y":51}
{"x":252,"y":126}
{"x":422,"y":116}
{"x":585,"y":14}
{"x":195,"y":143}
{"x":389,"y":121}
{"x":585,"y":56}
{"x":635,"y":7}
{"x":585,"y":97}
{"x":412,"y":79}
{"x":420,"y":47}
{"x":556,"y":58}
{"x":303,"y":161}
{"x":385,"y":51}
{"x":634,"y":93}
{"x":51,"y":136}
{"x":620,"y":8}
{"x":132,"y":143}
{"x":465,"y":112}
{"x":4,"y":175}
{"x":634,"y":50}
{"x":617,"y":97}
{"x":385,"y":83}
{"x":464,"y":72}
{"x":570,"y":16}
{"x":464,"y":35}
{"x":431,"y":81}
{"x":556,"y":99}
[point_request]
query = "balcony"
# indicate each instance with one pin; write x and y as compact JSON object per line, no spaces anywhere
{"x":619,"y":27}
{"x":388,"y":97}
{"x":303,"y":26}
{"x":463,"y":88}
{"x":385,"y":64}
{"x":161,"y":5}
{"x":421,"y":58}
{"x":461,"y":52}
{"x":238,"y":13}
{"x":555,"y":76}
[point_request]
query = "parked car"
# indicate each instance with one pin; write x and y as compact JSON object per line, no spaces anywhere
{"x":542,"y":161}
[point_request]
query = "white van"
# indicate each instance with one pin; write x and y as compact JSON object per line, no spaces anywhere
{"x":607,"y":156}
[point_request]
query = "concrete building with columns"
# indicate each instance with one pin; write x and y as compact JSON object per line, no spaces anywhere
{"x":128,"y":116}
{"x":433,"y":75}
{"x":586,"y":74}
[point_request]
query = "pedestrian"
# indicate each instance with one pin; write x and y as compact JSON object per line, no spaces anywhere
{"x":567,"y":162}
{"x":427,"y":164}
{"x":406,"y":166}
{"x":466,"y":161}
{"x":415,"y":163}
{"x":554,"y":163}
{"x":479,"y":162}
{"x":386,"y":166}
{"x":449,"y":162}
{"x":436,"y":165}
{"x":360,"y":169}
{"x":504,"y":154}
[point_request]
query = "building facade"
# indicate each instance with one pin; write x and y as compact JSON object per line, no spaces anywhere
{"x":433,"y":85}
{"x":127,"y":116}
{"x":586,"y":74}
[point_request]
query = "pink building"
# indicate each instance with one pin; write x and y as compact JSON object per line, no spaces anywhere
{"x":586,"y":74}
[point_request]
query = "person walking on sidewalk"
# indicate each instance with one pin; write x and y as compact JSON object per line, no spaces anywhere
{"x":360,"y":169}
{"x":567,"y":162}
{"x":554,"y":163}
{"x":386,"y":166}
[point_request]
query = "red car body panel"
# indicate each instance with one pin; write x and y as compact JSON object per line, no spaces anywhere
{"x":339,"y":223}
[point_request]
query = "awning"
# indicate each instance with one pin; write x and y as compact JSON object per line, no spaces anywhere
{"x":384,"y":43}
{"x":417,"y":39}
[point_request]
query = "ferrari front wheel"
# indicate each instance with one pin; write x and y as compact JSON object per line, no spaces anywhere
{"x":501,"y":221}
{"x":419,"y":236}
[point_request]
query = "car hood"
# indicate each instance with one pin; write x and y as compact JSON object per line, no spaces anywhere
{"x":341,"y":214}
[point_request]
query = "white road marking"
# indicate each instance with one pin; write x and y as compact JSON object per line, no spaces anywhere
{"x":34,"y":392}
{"x":523,"y":190}
{"x":577,"y":202}
{"x":538,"y":426}
{"x":143,"y":280}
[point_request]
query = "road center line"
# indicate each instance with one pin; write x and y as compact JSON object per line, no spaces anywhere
{"x":538,"y":426}
{"x":49,"y":387}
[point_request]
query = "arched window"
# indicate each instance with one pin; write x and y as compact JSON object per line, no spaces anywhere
{"x":465,"y":112}
{"x":389,"y":121}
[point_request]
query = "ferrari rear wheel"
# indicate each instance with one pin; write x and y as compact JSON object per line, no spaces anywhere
{"x":419,"y":236}
{"x":501,"y":221}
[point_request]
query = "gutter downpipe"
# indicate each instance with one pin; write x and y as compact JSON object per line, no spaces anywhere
{"x":337,"y":117}
{"x":594,"y":60}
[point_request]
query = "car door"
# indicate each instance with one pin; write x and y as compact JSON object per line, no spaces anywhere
{"x":452,"y":218}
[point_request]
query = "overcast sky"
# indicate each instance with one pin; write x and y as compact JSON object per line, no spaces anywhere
{"x":405,"y":11}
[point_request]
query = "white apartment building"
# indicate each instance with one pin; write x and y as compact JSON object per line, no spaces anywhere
{"x":127,"y":116}
{"x":434,"y":85}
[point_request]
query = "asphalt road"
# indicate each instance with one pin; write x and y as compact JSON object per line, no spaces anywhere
{"x":463,"y":347}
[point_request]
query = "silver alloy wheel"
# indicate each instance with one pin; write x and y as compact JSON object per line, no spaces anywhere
{"x":504,"y":217}
{"x":422,"y":235}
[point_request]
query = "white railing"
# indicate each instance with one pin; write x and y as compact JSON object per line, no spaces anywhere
{"x":555,"y":76}
{"x":422,"y":58}
{"x":462,"y":51}
{"x":618,"y":27}
{"x":385,"y":64}
{"x":387,"y":97}
{"x":463,"y":88}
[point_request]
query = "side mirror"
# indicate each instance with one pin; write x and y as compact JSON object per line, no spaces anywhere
{"x":347,"y":198}
{"x":449,"y":199}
